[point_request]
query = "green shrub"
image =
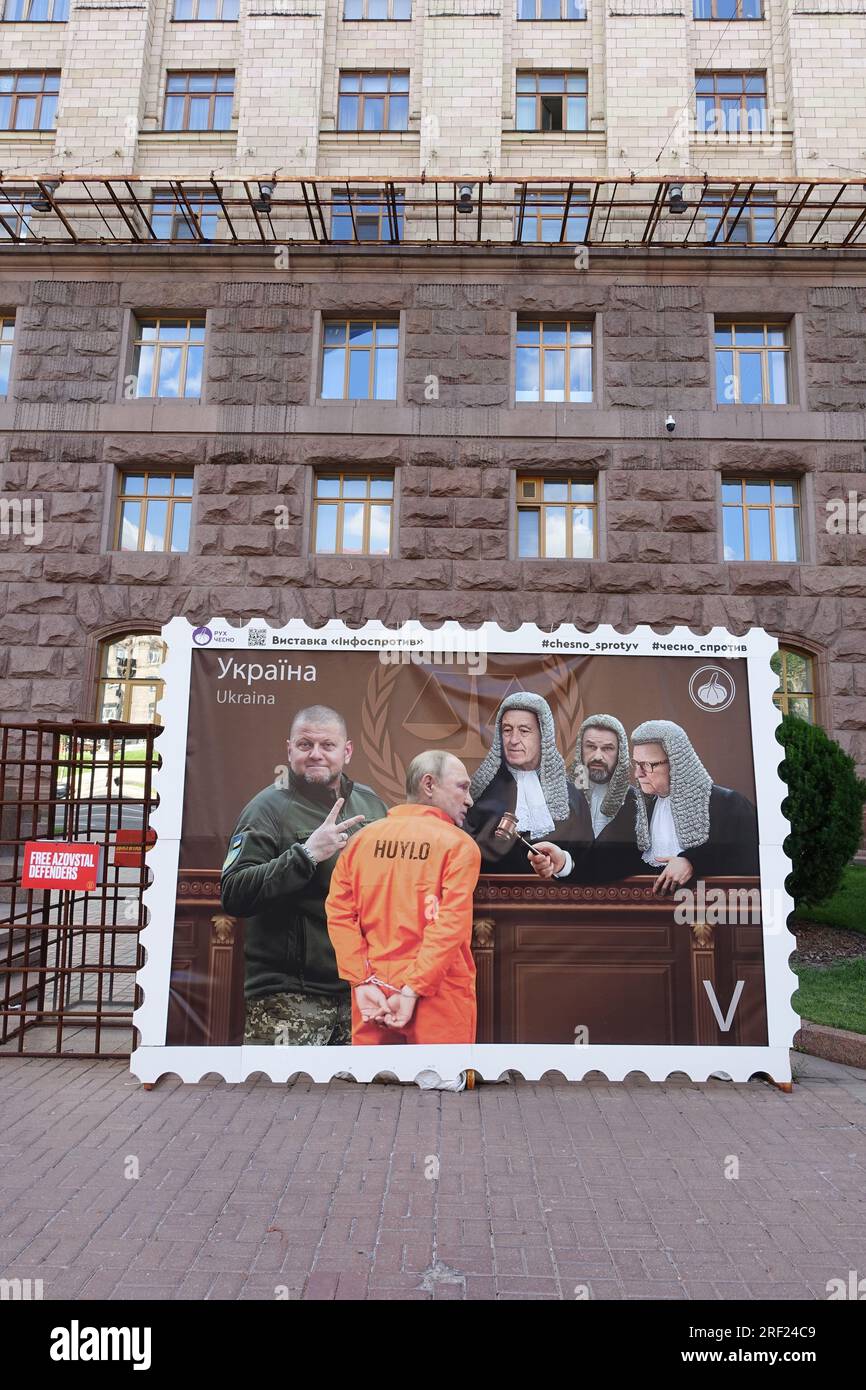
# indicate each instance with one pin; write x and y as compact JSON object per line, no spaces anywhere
{"x":824,"y":805}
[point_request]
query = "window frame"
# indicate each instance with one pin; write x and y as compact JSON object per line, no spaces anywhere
{"x":782,"y":696}
{"x":553,"y":19}
{"x":213,"y":95}
{"x":5,"y":319}
{"x":103,"y":645}
{"x":744,"y":508}
{"x":589,"y":323}
{"x":25,"y":19}
{"x":120,"y":497}
{"x":365,"y":18}
{"x":539,"y":74}
{"x":17,"y":210}
{"x":341,"y":476}
{"x":197,"y":199}
{"x":14,"y":94}
{"x":522,"y":504}
{"x":579,"y":206}
{"x":742,"y":209}
{"x":720,"y":322}
{"x":349,"y":201}
{"x":377,"y":320}
{"x":172,"y":320}
{"x":361,"y":95}
{"x":738,"y":18}
{"x":720,"y":130}
{"x":195,"y":19}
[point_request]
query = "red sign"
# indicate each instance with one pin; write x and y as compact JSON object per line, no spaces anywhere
{"x":55,"y":864}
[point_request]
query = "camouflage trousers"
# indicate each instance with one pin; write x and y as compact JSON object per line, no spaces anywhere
{"x":298,"y":1020}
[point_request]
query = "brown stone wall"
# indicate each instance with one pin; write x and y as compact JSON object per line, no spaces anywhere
{"x":259,"y":433}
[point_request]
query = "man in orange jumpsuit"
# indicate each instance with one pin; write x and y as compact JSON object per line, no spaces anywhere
{"x":400,"y":913}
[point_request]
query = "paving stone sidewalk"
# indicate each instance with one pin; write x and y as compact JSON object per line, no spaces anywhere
{"x":319,"y":1192}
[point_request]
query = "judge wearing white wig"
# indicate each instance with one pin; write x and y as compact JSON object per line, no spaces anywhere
{"x":524,"y":774}
{"x":686,"y":825}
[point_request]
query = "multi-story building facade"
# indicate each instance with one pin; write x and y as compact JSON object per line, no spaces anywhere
{"x":546,"y":310}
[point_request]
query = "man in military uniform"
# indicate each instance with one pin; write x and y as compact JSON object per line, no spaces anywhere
{"x":276,"y":876}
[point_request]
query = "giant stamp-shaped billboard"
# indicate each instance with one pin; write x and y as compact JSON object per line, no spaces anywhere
{"x":414,"y":851}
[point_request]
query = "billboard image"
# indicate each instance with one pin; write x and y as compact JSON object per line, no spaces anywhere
{"x":413,"y":851}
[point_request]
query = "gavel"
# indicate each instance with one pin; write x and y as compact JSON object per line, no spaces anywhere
{"x":507,"y":830}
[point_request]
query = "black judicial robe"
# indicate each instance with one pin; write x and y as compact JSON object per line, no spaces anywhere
{"x":732,"y":844}
{"x":573,"y":834}
{"x":613,"y":854}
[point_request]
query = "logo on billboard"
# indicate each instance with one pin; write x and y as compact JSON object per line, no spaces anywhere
{"x":711,"y":688}
{"x":202,"y":636}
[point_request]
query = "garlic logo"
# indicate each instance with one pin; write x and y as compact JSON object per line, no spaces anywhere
{"x":712,"y":689}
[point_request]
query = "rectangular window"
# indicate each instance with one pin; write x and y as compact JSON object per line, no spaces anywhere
{"x":367,"y":215}
{"x":731,"y":103}
{"x":556,"y":518}
{"x":352,"y":514}
{"x":28,"y":100}
{"x":551,"y":100}
{"x":169,"y":354}
{"x":205,"y":9}
{"x":36,"y":11}
{"x":154,"y":511}
{"x":554,"y":361}
{"x":359,"y":360}
{"x":7,"y":339}
{"x":552,"y":215}
{"x":752,"y":363}
{"x":761,"y":518}
{"x":193,"y":217}
{"x":377,"y":9}
{"x":551,"y":9}
{"x":198,"y":101}
{"x":16,"y":215}
{"x":727,"y":9}
{"x":743,"y":220}
{"x":129,"y":687}
{"x":796,"y":693}
{"x":373,"y":101}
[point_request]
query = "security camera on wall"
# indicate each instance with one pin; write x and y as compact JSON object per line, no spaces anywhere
{"x":670,"y":424}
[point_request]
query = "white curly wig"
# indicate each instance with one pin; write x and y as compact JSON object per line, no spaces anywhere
{"x":691,"y":785}
{"x":551,"y":773}
{"x":618,"y":786}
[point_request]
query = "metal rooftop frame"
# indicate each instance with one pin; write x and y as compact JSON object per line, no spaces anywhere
{"x":93,"y":209}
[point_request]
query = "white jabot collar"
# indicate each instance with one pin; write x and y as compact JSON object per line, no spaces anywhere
{"x":533,"y":813}
{"x":664,"y":843}
{"x":598,"y":792}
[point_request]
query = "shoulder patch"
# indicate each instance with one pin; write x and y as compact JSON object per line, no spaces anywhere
{"x":236,"y":844}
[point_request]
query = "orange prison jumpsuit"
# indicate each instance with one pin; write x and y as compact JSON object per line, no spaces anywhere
{"x":400,"y":908}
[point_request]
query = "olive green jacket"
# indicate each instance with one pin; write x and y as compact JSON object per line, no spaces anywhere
{"x":268,"y":880}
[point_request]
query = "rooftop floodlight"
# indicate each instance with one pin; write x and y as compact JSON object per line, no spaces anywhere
{"x":263,"y":202}
{"x":676,"y":202}
{"x":42,"y":203}
{"x":464,"y":198}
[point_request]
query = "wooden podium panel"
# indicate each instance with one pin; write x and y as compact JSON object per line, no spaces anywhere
{"x":550,"y":958}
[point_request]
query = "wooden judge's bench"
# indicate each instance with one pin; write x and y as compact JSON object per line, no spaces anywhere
{"x":551,"y":959}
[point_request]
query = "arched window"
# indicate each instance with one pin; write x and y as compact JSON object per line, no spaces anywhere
{"x":796,"y":692}
{"x":128,"y":685}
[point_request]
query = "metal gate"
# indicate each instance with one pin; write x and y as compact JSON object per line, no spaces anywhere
{"x":68,"y":959}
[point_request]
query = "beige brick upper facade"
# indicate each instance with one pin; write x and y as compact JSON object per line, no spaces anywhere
{"x":641,"y":58}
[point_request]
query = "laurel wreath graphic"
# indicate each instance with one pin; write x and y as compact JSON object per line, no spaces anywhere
{"x":569,"y":705}
{"x":388,"y":767}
